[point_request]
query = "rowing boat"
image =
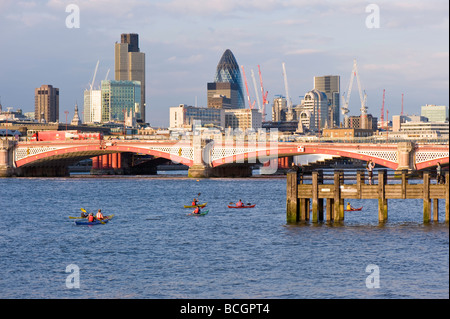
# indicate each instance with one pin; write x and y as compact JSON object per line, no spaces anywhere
{"x":193,"y":206}
{"x":245,"y":206}
{"x":353,"y":210}
{"x":95,"y":222}
{"x":201,"y":214}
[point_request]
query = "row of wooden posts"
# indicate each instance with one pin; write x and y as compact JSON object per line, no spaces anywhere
{"x":300,"y":196}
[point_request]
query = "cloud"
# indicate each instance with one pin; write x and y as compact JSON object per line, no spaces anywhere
{"x":303,"y":51}
{"x":32,"y":19}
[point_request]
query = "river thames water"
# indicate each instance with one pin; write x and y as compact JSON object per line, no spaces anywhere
{"x":152,"y":249}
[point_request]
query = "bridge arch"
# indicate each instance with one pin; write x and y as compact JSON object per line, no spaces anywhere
{"x":278,"y":152}
{"x":78,"y":152}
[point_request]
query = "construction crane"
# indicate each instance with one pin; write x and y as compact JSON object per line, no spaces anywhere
{"x":95,"y":73}
{"x":246,"y":87}
{"x":289,"y":116}
{"x":264,"y":95}
{"x":256,"y":91}
{"x":107,"y":73}
{"x":362,"y":97}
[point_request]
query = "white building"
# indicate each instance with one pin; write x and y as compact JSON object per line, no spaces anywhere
{"x":243,"y":119}
{"x":316,"y":103}
{"x":183,"y":116}
{"x":92,"y":106}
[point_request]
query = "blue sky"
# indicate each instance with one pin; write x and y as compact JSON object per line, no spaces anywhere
{"x":185,"y":39}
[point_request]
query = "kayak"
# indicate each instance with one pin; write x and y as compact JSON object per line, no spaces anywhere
{"x":201,"y":214}
{"x":353,"y":210}
{"x":248,"y":206}
{"x":95,"y":222}
{"x":193,"y":206}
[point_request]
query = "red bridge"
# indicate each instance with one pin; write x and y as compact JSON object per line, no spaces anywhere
{"x":202,"y":156}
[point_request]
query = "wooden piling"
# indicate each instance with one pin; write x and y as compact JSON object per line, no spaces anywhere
{"x":426,"y":197}
{"x":435,"y":210}
{"x":292,"y":202}
{"x":382,"y":201}
{"x":317,"y":203}
{"x":337,"y":197}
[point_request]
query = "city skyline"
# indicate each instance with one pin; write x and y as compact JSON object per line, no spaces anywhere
{"x":184,"y":40}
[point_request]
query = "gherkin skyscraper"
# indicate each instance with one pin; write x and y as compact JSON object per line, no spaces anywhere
{"x":228,"y":72}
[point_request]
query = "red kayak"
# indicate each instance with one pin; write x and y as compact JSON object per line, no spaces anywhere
{"x":248,"y":206}
{"x":353,"y":210}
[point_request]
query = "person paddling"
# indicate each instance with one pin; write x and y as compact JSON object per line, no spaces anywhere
{"x":349,"y":207}
{"x":239,"y":203}
{"x":194,"y":202}
{"x":99,"y":215}
{"x":90,"y":218}
{"x":196,"y":210}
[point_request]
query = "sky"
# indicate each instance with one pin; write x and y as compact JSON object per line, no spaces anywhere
{"x":401,"y":47}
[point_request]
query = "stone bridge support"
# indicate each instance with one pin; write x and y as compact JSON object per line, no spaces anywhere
{"x":6,"y":158}
{"x":406,"y":154}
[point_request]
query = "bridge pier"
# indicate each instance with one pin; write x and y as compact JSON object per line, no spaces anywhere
{"x":406,"y":154}
{"x":6,"y":158}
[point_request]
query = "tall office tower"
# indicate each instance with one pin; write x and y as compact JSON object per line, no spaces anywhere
{"x":330,"y":84}
{"x":120,"y":98}
{"x":227,"y":71}
{"x":130,"y":65}
{"x":46,"y":104}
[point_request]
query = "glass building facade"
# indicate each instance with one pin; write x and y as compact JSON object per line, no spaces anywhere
{"x":120,"y":96}
{"x":228,"y":72}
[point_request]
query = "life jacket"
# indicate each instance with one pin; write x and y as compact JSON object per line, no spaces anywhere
{"x":197,"y":210}
{"x":194,"y":202}
{"x":240,"y":204}
{"x":99,"y":215}
{"x":90,"y":218}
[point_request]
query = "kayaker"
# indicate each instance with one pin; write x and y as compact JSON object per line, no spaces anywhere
{"x":194,"y":202}
{"x":239,"y":203}
{"x":349,"y":207}
{"x":99,"y":215}
{"x":84,"y":215}
{"x":197,"y":210}
{"x":90,"y":218}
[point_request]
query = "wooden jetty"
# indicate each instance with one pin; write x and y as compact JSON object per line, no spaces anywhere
{"x":304,"y":190}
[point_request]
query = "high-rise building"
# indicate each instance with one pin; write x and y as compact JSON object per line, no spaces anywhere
{"x":330,"y":85}
{"x":46,"y":104}
{"x":118,"y":98}
{"x":228,"y":72}
{"x":130,"y":66}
